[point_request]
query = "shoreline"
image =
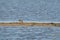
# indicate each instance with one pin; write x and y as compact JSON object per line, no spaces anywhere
{"x":22,"y":23}
{"x":29,"y":21}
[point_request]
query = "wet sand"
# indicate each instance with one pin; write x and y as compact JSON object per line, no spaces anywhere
{"x":29,"y":24}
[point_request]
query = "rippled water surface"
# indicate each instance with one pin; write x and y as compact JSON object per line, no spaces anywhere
{"x":29,"y":33}
{"x":30,"y":10}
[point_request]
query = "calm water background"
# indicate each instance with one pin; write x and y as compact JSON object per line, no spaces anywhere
{"x":30,"y":10}
{"x":29,"y":33}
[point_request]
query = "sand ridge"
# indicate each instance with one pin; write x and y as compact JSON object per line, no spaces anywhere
{"x":29,"y":24}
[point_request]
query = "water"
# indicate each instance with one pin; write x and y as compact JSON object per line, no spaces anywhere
{"x":29,"y":33}
{"x":30,"y":10}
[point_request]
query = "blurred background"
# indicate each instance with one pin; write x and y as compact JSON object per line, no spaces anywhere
{"x":30,"y":10}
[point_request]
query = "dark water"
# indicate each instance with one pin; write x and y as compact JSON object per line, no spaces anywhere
{"x":30,"y":10}
{"x":29,"y":33}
